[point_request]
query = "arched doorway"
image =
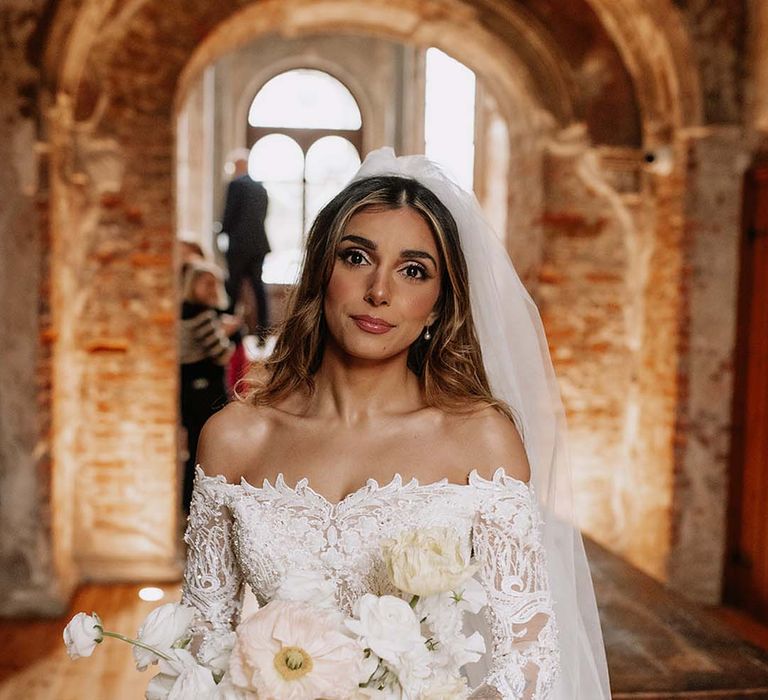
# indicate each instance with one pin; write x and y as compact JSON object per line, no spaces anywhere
{"x":121,"y":226}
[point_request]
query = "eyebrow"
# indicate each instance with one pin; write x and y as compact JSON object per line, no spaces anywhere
{"x":371,"y":245}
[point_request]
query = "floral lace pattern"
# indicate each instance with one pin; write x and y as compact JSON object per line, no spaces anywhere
{"x":239,"y":533}
{"x":212,"y":582}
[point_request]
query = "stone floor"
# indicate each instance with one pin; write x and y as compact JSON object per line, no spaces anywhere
{"x":659,"y":646}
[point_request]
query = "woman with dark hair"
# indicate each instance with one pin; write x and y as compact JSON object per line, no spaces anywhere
{"x":409,"y":386}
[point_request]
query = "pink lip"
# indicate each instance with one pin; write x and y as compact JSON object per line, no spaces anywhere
{"x":371,"y":324}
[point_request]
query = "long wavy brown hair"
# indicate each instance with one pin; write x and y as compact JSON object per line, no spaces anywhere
{"x":449,"y":366}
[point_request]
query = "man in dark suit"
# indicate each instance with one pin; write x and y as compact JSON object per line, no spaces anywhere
{"x":245,"y":210}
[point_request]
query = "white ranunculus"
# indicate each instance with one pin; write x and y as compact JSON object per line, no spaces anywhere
{"x":82,"y":634}
{"x":307,"y":587}
{"x":164,"y":626}
{"x":387,"y":625}
{"x":427,"y":561}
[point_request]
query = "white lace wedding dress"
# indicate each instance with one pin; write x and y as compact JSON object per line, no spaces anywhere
{"x":242,"y":534}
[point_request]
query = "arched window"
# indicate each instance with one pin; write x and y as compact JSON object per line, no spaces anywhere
{"x":305,"y":136}
{"x":305,"y":98}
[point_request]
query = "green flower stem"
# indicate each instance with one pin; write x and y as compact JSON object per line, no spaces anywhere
{"x":414,"y":600}
{"x":137,"y":643}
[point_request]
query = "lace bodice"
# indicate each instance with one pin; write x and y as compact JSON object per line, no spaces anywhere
{"x":239,"y":533}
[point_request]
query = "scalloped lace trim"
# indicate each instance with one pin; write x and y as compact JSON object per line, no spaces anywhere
{"x":396,"y":483}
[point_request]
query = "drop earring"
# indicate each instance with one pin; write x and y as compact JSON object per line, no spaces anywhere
{"x":427,"y":334}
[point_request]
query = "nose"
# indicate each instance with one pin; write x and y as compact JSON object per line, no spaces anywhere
{"x":378,"y":289}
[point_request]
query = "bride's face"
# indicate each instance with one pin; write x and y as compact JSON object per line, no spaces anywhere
{"x":385,"y":283}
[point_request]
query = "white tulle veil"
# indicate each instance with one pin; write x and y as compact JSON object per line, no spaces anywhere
{"x":519,"y":369}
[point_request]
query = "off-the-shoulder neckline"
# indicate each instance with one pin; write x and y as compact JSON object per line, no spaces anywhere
{"x":474,"y":480}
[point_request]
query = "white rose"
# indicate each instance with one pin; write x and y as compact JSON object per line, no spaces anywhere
{"x":427,"y":561}
{"x":82,"y":634}
{"x":308,"y":587}
{"x":163,"y":627}
{"x":387,"y":625}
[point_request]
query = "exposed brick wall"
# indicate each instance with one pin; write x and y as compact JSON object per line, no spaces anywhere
{"x":27,"y":580}
{"x":584,"y":295}
{"x":119,"y":235}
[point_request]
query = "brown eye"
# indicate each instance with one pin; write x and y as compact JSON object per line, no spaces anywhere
{"x":416,"y":272}
{"x":353,"y":257}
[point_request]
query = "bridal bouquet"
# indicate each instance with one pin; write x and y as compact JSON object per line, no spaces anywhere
{"x":300,"y":646}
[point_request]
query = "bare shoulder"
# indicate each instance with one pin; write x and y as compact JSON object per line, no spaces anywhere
{"x":231,"y":440}
{"x":491,"y":440}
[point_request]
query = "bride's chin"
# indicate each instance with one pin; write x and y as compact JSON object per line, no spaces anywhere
{"x":369,"y":349}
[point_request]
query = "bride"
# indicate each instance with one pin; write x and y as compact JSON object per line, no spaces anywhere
{"x":410,"y":386}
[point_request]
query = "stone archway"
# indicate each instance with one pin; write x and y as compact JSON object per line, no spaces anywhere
{"x":110,"y":129}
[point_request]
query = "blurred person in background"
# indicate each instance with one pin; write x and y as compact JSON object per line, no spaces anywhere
{"x":245,"y":211}
{"x":189,"y":251}
{"x":206,"y":347}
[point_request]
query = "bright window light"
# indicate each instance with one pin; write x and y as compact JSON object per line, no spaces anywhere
{"x":277,"y":161}
{"x":276,"y":158}
{"x":331,"y":163}
{"x":151,"y":593}
{"x":449,"y":116}
{"x":306,"y":99}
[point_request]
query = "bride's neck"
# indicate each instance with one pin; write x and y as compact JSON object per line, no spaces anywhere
{"x":354,"y":391}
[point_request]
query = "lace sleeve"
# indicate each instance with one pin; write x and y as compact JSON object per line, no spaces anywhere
{"x":213,"y":582}
{"x":507,"y":543}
